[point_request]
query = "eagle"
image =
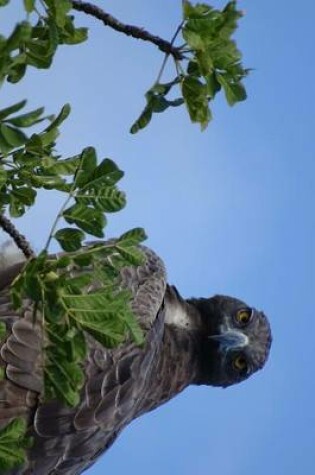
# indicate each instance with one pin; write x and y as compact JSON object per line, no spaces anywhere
{"x":215,"y":341}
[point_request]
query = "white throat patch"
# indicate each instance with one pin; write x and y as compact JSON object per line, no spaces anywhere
{"x":178,"y":316}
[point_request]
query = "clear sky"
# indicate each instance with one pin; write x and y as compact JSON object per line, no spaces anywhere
{"x":230,"y":210}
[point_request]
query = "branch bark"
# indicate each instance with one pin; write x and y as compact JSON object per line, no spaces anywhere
{"x":17,"y":237}
{"x":129,"y":30}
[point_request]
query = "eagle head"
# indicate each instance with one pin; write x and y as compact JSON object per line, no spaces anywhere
{"x":235,"y":341}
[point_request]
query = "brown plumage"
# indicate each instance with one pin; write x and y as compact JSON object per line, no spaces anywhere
{"x":217,"y":341}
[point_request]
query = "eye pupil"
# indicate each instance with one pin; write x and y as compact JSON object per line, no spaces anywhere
{"x":240,"y":364}
{"x":243,"y":316}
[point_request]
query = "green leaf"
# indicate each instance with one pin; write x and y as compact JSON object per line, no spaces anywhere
{"x":78,"y":346}
{"x":78,"y":35}
{"x":12,"y":136}
{"x":49,"y":137}
{"x":16,"y":72}
{"x":3,"y":3}
{"x":234,"y":92}
{"x":63,"y":261}
{"x":20,"y":35}
{"x":25,"y":195}
{"x":132,"y":255}
{"x":34,"y":287}
{"x":3,"y":177}
{"x":104,"y":198}
{"x":38,"y":60}
{"x":134,"y":328}
{"x":213,"y":86}
{"x":4,"y":146}
{"x":12,"y":444}
{"x":193,"y":39}
{"x":88,"y":162}
{"x":65,"y":377}
{"x":64,"y":167}
{"x":29,"y":5}
{"x":78,"y":284}
{"x":11,"y":109}
{"x":195,"y":11}
{"x":28,"y":119}
{"x":156,"y":102}
{"x":3,"y":330}
{"x":70,"y":239}
{"x":134,"y":236}
{"x":108,"y":171}
{"x":13,"y":431}
{"x":61,"y":117}
{"x":98,"y":314}
{"x":49,"y":182}
{"x":195,"y":95}
{"x":142,"y":121}
{"x":88,"y":219}
{"x":16,"y":208}
{"x":60,"y":10}
{"x":30,"y":280}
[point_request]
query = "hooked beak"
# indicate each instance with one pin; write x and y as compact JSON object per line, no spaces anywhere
{"x":230,"y":339}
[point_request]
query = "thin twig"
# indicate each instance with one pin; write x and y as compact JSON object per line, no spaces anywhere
{"x":17,"y":237}
{"x":168,"y":54}
{"x":129,"y":30}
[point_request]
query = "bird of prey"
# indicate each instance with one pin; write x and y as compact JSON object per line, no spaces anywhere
{"x":216,"y":341}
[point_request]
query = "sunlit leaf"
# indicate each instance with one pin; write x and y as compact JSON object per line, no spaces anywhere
{"x":104,"y":198}
{"x":196,"y":99}
{"x":21,"y":34}
{"x":133,"y":237}
{"x":88,"y":219}
{"x":88,"y":163}
{"x":234,"y":92}
{"x":63,"y":114}
{"x":28,"y":119}
{"x":132,"y":255}
{"x":70,"y":239}
{"x":12,"y":109}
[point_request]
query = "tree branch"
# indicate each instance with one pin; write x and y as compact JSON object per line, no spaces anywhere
{"x":129,"y":30}
{"x":18,"y":238}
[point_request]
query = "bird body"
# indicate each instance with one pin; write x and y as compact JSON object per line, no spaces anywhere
{"x":196,"y":341}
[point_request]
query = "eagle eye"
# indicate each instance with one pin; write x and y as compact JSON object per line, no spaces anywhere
{"x":240,"y":364}
{"x":243,"y":316}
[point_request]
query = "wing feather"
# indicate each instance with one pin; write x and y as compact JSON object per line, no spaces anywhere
{"x":69,"y":440}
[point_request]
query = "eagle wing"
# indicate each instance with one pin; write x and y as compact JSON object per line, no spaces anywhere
{"x":68,"y":440}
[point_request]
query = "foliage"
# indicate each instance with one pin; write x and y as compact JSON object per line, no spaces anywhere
{"x":68,"y":309}
{"x":77,"y":293}
{"x":13,"y":444}
{"x":211,"y":62}
{"x":35,"y":43}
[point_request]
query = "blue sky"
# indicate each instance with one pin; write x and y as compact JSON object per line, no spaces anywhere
{"x":230,"y":210}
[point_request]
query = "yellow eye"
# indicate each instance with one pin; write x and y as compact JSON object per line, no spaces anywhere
{"x":240,"y":364}
{"x":243,"y":316}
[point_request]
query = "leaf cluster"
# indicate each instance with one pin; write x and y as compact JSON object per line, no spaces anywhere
{"x":13,"y":443}
{"x":28,"y":161}
{"x":76,"y":294}
{"x":34,"y":43}
{"x":212,"y":63}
